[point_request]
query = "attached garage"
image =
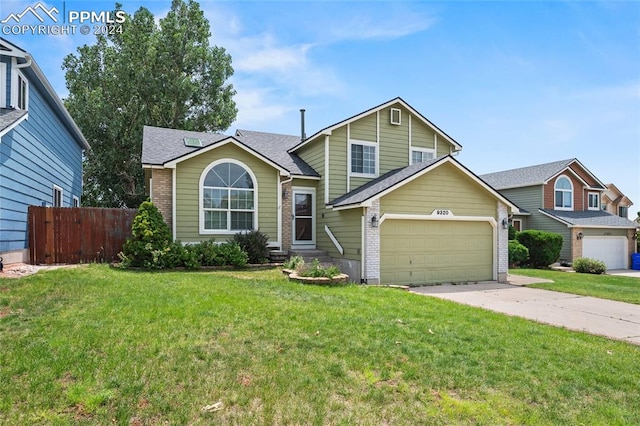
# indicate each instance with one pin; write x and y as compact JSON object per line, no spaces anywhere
{"x":436,"y":251}
{"x":612,"y":250}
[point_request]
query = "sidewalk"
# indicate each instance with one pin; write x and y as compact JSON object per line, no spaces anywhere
{"x":615,"y":320}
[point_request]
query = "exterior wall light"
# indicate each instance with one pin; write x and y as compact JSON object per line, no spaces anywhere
{"x":374,"y":221}
{"x":285,"y":194}
{"x":580,"y":235}
{"x":635,"y":236}
{"x":505,"y":223}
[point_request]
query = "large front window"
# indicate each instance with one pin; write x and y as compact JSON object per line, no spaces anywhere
{"x":228,"y":198}
{"x":564,"y":194}
{"x":363,"y":159}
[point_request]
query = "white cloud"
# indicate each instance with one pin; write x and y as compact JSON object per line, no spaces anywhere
{"x":256,"y":110}
{"x":364,"y":27}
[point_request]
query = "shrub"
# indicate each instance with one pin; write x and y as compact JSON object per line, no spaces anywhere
{"x":150,"y":245}
{"x":544,"y":247}
{"x":317,"y":270}
{"x":518,"y":254}
{"x":255,"y":244}
{"x":586,"y":265}
{"x":295,"y":262}
{"x":512,"y":233}
{"x":231,"y":254}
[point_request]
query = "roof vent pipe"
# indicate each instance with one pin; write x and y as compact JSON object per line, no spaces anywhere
{"x":303,"y":136}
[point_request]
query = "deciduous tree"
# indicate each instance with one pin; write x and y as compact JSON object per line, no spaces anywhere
{"x":161,"y":74}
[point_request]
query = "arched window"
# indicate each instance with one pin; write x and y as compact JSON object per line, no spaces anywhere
{"x":564,"y":194}
{"x":227,"y":197}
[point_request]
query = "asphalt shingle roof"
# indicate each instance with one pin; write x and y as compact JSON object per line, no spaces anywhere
{"x":525,"y":176}
{"x":8,"y":116}
{"x":382,"y":183}
{"x":161,"y":145}
{"x":591,"y":218}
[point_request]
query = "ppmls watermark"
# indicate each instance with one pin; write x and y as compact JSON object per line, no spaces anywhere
{"x":69,"y":22}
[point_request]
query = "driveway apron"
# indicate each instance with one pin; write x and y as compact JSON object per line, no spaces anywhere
{"x":616,"y":320}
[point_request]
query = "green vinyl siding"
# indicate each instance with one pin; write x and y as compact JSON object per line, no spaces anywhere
{"x":541,"y":222}
{"x":444,"y":148}
{"x":188,"y":175}
{"x":364,"y":129}
{"x":313,"y":154}
{"x":445,"y":187}
{"x":346,"y":226}
{"x":394,"y":141}
{"x":422,"y":136}
{"x":338,"y":163}
{"x":528,"y":198}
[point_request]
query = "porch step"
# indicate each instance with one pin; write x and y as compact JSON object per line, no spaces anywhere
{"x":309,"y":255}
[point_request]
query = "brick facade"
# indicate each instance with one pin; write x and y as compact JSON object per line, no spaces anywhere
{"x":372,"y":245}
{"x":287,"y":196}
{"x":576,"y":244}
{"x":161,"y":193}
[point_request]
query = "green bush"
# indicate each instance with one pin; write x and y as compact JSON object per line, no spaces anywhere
{"x":232,"y":254}
{"x":512,"y":233}
{"x":150,"y":245}
{"x":518,"y":254}
{"x":295,"y":262}
{"x":255,"y":244}
{"x":544,"y":247}
{"x":586,"y":265}
{"x":316,"y":270}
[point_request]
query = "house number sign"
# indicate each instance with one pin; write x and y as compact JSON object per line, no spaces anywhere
{"x":441,"y":212}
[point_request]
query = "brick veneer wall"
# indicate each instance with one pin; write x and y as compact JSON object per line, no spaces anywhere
{"x":286,"y":216}
{"x":372,"y":245}
{"x":503,"y":244}
{"x":161,"y":187}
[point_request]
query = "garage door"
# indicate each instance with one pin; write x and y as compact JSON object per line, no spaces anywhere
{"x":611,"y":250}
{"x":417,"y":252}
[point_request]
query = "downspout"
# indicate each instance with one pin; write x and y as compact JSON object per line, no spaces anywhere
{"x":26,"y":64}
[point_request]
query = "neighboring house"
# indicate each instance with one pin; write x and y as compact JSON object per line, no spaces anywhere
{"x":566,"y":198}
{"x":615,"y":202}
{"x":40,"y":149}
{"x":380,"y":192}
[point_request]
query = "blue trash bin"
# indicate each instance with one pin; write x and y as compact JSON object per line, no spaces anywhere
{"x":635,"y":261}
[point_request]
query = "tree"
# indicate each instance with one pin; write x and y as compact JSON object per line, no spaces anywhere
{"x":163,"y":75}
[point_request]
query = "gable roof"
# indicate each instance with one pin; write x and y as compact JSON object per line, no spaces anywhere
{"x":329,"y":129}
{"x":615,"y":195}
{"x":589,"y":219}
{"x":365,"y":194}
{"x":533,"y":175}
{"x":165,"y":147}
{"x":38,"y":78}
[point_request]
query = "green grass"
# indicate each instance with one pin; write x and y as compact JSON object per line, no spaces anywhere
{"x":94,"y":345}
{"x":613,"y":287}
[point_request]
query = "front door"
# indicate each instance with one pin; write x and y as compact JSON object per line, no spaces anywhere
{"x":303,"y":218}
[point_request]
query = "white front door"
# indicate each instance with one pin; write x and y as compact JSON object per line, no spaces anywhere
{"x":304,"y":222}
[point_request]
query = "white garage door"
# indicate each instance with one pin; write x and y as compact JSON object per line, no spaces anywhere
{"x":611,"y":250}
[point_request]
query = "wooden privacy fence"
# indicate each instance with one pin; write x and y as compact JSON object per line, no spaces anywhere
{"x":77,"y":235}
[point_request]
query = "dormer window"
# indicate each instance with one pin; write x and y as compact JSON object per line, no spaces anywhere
{"x":563,"y":194}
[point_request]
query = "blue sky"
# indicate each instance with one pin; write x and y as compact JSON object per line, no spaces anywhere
{"x":515,"y":83}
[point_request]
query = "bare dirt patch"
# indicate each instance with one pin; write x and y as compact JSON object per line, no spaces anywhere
{"x":19,"y":270}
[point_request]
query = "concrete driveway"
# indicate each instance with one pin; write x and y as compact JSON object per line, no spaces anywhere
{"x":616,"y":320}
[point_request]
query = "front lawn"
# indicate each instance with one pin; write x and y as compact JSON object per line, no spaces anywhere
{"x":94,"y":345}
{"x":613,"y":287}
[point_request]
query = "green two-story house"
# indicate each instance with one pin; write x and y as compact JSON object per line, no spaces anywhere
{"x":380,"y":192}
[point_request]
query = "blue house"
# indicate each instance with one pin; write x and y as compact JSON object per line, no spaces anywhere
{"x":41,"y":149}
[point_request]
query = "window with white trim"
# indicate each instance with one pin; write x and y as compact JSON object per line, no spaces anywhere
{"x":593,"y":200}
{"x":420,"y":155}
{"x":19,"y":90}
{"x":395,"y":116}
{"x":362,"y":159}
{"x":76,"y":201}
{"x":228,"y":198}
{"x":57,"y":196}
{"x":563,"y":194}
